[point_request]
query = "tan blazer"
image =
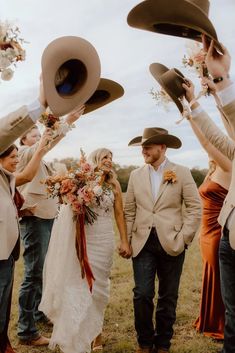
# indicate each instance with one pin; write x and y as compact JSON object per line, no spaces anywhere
{"x":35,"y":192}
{"x":12,"y":126}
{"x":227,"y":147}
{"x":175,"y":225}
{"x":9,"y":229}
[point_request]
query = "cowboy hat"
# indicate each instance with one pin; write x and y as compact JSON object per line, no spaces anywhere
{"x":158,"y":136}
{"x":106,"y":92}
{"x":181,"y":18}
{"x":171,"y":81}
{"x":70,"y":72}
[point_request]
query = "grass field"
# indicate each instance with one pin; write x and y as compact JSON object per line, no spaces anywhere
{"x":119,"y":334}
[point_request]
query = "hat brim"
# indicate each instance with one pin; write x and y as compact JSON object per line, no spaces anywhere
{"x":60,"y":51}
{"x":170,"y":141}
{"x":106,"y":92}
{"x":157,"y":70}
{"x":181,"y":19}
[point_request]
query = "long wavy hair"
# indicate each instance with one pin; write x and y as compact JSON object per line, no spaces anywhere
{"x":95,"y":158}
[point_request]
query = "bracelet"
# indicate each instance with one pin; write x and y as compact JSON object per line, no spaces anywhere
{"x":194,"y":100}
{"x":218,"y":79}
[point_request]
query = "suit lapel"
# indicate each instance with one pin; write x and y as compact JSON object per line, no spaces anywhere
{"x":163,"y":186}
{"x":147,"y":182}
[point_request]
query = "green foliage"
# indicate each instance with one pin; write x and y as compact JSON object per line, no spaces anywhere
{"x":123,"y":172}
{"x":198,"y":175}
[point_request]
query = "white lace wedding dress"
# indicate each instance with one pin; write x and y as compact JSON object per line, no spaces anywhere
{"x":77,"y":314}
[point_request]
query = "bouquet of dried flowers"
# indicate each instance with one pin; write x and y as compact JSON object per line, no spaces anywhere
{"x":82,"y":188}
{"x":11,"y":50}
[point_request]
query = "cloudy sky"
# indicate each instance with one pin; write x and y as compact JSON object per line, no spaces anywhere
{"x":125,"y":54}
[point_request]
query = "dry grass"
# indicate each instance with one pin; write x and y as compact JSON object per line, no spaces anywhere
{"x":118,"y":328}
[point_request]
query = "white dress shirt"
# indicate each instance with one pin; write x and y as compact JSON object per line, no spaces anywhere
{"x":156,"y":177}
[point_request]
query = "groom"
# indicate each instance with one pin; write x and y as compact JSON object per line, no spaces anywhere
{"x":162,"y":211}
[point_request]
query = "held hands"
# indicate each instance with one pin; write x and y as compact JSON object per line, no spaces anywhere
{"x":125,"y":249}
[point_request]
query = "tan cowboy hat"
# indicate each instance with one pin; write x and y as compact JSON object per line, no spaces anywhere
{"x":171,"y":81}
{"x":158,"y":136}
{"x":106,"y":92}
{"x":181,"y":18}
{"x":70,"y":72}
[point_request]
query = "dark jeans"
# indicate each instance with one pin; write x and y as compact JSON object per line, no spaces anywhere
{"x":150,"y":261}
{"x":6,"y":284}
{"x":227,"y":275}
{"x":35,"y":235}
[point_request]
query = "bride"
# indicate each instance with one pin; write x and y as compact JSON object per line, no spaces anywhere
{"x":76,"y":312}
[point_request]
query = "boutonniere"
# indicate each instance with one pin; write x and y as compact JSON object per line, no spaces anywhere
{"x":169,"y":177}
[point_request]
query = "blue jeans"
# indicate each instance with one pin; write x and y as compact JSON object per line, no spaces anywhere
{"x":152,"y":261}
{"x":6,"y":284}
{"x":227,"y":275}
{"x":35,"y":235}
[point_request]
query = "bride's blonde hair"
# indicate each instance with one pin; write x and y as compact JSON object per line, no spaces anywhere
{"x":95,"y":158}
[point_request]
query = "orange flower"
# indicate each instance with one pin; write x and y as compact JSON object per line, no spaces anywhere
{"x":169,"y":177}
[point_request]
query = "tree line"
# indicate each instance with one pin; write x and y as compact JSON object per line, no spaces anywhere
{"x":123,"y":172}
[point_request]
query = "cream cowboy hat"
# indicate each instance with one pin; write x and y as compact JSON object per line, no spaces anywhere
{"x":181,"y":18}
{"x":70,"y":72}
{"x":106,"y":92}
{"x":171,"y":81}
{"x":158,"y":136}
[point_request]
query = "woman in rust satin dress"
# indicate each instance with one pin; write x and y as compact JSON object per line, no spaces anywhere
{"x":211,"y":318}
{"x":213,"y":192}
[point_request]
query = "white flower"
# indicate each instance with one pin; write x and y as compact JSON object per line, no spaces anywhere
{"x":11,"y":53}
{"x":57,"y":186}
{"x":7,"y":74}
{"x":98,"y":190}
{"x":4,"y":61}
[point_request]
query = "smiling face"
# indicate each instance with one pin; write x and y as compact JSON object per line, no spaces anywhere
{"x":154,"y":154}
{"x":106,"y":162}
{"x":31,"y":137}
{"x":10,"y":162}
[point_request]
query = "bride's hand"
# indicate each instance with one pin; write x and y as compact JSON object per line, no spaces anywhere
{"x":125,"y":249}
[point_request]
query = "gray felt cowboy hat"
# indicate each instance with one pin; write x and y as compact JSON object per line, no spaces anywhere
{"x":158,"y":136}
{"x":171,"y":81}
{"x":181,"y":18}
{"x":106,"y":92}
{"x":70,"y":72}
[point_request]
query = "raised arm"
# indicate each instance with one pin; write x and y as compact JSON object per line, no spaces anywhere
{"x":16,"y":123}
{"x":28,"y":173}
{"x":207,"y":127}
{"x":28,"y":152}
{"x":223,"y":162}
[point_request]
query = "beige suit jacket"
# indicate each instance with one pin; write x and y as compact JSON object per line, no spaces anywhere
{"x":12,"y":126}
{"x":227,"y":147}
{"x":35,"y":192}
{"x":175,"y":213}
{"x":9,"y":229}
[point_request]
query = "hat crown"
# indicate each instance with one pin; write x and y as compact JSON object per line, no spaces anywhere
{"x":204,"y":5}
{"x":153,"y":131}
{"x":173,"y":80}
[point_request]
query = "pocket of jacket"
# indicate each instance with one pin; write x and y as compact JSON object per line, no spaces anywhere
{"x":178,"y":227}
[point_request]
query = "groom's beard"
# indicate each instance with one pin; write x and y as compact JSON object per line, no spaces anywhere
{"x":150,"y":159}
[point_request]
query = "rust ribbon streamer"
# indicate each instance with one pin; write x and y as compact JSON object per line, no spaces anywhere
{"x":80,"y":243}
